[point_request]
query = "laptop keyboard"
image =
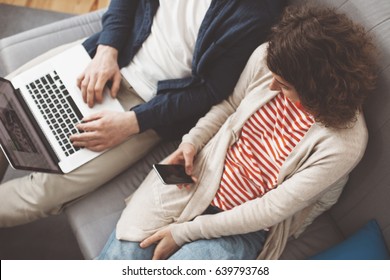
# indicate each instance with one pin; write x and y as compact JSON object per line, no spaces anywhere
{"x":57,"y":108}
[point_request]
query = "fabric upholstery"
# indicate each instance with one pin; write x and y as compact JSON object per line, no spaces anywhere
{"x":365,"y":244}
{"x":365,"y":197}
{"x":19,"y":49}
{"x":367,"y":192}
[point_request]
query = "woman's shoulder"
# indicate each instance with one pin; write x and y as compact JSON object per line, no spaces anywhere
{"x":348,"y":142}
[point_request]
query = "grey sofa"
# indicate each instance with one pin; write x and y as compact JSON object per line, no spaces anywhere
{"x":366,"y":196}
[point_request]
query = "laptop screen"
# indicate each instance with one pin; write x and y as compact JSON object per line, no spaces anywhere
{"x":19,"y":139}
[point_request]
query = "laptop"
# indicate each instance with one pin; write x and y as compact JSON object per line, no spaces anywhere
{"x":39,"y":110}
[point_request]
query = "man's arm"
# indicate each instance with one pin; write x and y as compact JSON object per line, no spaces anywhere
{"x":104,"y":47}
{"x":116,"y":26}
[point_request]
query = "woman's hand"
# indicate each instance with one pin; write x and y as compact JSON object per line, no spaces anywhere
{"x":166,"y":244}
{"x":184,"y":155}
{"x":103,"y":68}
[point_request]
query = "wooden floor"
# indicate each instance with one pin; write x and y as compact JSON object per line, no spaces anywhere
{"x":65,"y":6}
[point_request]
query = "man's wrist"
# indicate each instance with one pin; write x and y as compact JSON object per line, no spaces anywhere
{"x":132,"y":122}
{"x":107,"y":50}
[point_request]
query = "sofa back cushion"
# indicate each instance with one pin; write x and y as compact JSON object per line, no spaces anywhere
{"x":367,"y":193}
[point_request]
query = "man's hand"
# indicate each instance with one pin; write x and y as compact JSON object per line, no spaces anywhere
{"x":104,"y":130}
{"x":166,"y":244}
{"x":103,"y":68}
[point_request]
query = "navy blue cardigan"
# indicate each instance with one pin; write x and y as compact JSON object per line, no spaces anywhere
{"x":229,"y":33}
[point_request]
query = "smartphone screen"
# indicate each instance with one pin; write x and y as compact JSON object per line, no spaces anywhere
{"x":172,"y":174}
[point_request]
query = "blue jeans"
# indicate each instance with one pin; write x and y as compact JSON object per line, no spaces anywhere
{"x":234,"y":247}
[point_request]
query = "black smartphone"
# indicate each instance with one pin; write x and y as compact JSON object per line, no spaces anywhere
{"x":172,"y":174}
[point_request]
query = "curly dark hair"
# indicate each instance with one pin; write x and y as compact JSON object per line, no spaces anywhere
{"x":330,"y":60}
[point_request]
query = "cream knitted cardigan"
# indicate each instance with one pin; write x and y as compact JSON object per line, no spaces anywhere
{"x":310,"y":180}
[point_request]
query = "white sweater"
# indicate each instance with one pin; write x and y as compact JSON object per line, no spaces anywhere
{"x":310,"y":180}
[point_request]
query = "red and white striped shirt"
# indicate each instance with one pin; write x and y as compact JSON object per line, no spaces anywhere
{"x":252,"y":164}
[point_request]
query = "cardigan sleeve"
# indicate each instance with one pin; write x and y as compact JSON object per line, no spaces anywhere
{"x":309,"y":182}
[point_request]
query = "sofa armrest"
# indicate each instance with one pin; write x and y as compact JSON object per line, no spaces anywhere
{"x":13,"y":52}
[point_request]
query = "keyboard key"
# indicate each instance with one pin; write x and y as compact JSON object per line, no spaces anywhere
{"x":59,"y":109}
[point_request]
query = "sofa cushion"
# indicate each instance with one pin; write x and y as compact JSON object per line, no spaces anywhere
{"x":21,"y":48}
{"x":318,"y":236}
{"x":367,"y":193}
{"x":366,"y":244}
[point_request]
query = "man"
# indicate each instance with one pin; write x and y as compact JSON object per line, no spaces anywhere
{"x":178,"y":58}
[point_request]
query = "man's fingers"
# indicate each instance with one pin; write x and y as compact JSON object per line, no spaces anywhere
{"x":116,"y":84}
{"x":91,"y":91}
{"x":89,"y":126}
{"x":79,"y":79}
{"x":83,"y":87}
{"x":93,"y":146}
{"x":99,"y":87}
{"x":89,"y":140}
{"x":84,"y":137}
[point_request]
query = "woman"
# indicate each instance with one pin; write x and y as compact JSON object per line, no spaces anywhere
{"x":290,"y":134}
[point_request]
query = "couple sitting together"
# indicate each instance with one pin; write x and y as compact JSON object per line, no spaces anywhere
{"x":269,"y":157}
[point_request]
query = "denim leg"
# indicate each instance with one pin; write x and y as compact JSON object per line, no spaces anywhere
{"x":124,"y":250}
{"x":235,"y":247}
